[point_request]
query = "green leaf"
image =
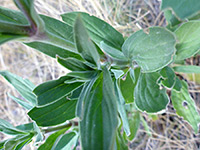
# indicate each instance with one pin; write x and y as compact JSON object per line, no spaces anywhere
{"x":27,"y":7}
{"x":53,"y":138}
{"x":151,"y":51}
{"x":149,"y":96}
{"x":134,"y":122}
{"x":61,"y":30}
{"x":66,"y":142}
{"x":18,"y":142}
{"x":126,"y":81}
{"x":23,"y":86}
{"x":73,"y":64}
{"x":83,"y":97}
{"x":8,"y":37}
{"x":111,"y":51}
{"x":52,"y":50}
{"x":12,"y":17}
{"x":183,"y":9}
{"x":7,"y":128}
{"x":2,"y":144}
{"x":121,"y":109}
{"x":146,"y":126}
{"x":177,"y":85}
{"x":75,"y":94}
{"x":187,"y":69}
{"x":169,"y":77}
{"x":32,"y":128}
{"x":84,"y":45}
{"x":12,"y":25}
{"x":98,"y":30}
{"x":171,"y":18}
{"x":24,"y":104}
{"x":51,"y":91}
{"x":117,"y":73}
{"x":99,"y":124}
{"x":185,"y":106}
{"x":58,"y":34}
{"x":84,"y":75}
{"x":188,"y":40}
{"x":121,"y":142}
{"x":55,"y":113}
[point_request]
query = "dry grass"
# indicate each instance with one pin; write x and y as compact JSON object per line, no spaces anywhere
{"x":168,"y":132}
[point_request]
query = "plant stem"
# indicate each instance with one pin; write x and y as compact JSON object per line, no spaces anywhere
{"x":60,"y":127}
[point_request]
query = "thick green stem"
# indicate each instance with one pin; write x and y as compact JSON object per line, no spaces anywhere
{"x":60,"y":127}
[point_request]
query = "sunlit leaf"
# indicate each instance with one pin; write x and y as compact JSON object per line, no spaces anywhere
{"x":151,"y":51}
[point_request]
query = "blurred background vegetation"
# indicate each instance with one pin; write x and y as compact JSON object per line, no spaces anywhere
{"x":164,"y":132}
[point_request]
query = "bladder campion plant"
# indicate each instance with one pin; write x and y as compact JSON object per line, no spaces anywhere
{"x":109,"y":76}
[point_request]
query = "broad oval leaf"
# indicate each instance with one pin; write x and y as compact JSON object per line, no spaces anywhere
{"x":51,"y":91}
{"x":188,"y":40}
{"x":149,"y":96}
{"x":183,"y":9}
{"x":98,"y":29}
{"x":54,"y":114}
{"x":99,"y":124}
{"x":185,"y":106}
{"x":152,"y":51}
